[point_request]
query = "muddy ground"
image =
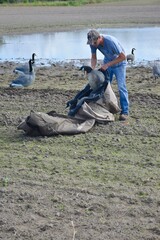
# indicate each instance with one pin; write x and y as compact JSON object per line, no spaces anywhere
{"x":104,"y":184}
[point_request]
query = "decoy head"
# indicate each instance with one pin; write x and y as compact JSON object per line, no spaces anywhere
{"x":133,"y":50}
{"x":33,"y":57}
{"x":86,"y":69}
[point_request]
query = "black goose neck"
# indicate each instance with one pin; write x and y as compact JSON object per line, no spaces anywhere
{"x":30,"y":65}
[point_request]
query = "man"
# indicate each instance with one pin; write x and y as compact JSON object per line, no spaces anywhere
{"x":114,"y":63}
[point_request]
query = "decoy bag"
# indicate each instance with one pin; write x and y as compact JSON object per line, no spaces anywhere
{"x":89,"y":112}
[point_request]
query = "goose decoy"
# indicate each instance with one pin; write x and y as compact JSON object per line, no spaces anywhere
{"x":24,"y":68}
{"x":92,"y":92}
{"x":95,"y":77}
{"x":156,"y":70}
{"x":26,"y":79}
{"x":131,"y":57}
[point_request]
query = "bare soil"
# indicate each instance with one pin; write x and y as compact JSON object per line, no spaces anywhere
{"x":15,"y":20}
{"x":104,"y":184}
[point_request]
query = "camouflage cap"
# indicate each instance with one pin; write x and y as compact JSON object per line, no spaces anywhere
{"x":92,"y":36}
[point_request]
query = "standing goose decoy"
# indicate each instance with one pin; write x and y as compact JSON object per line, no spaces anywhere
{"x":131,"y":57}
{"x":95,"y":77}
{"x":156,"y":70}
{"x":24,"y":68}
{"x":24,"y":80}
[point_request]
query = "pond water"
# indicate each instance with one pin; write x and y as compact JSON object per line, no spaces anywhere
{"x":66,"y":46}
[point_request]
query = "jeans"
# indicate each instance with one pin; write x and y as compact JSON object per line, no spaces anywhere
{"x":120,"y":74}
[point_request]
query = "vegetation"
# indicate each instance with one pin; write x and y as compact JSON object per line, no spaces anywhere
{"x":54,"y":2}
{"x":48,"y":2}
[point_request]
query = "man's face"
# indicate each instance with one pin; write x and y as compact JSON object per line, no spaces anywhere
{"x":95,"y":42}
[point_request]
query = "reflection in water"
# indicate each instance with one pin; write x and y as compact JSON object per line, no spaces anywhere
{"x":61,"y":46}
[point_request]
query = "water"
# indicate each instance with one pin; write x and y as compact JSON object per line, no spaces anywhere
{"x":66,"y":46}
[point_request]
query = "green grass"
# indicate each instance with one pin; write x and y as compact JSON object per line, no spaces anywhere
{"x":52,"y":3}
{"x":58,"y":3}
{"x":85,"y":158}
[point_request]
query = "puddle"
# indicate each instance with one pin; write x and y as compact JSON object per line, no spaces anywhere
{"x":70,"y":46}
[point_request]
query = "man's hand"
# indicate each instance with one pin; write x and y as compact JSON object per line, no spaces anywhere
{"x":104,"y":67}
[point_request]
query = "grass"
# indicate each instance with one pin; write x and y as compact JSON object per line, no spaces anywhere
{"x":73,"y":2}
{"x":111,"y":154}
{"x":55,"y":3}
{"x":86,"y":157}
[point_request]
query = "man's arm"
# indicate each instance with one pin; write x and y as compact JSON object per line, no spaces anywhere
{"x":120,"y":58}
{"x":93,"y":60}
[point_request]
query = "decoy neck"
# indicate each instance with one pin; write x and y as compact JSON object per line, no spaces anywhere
{"x":101,"y":70}
{"x":133,"y":50}
{"x":30,"y":65}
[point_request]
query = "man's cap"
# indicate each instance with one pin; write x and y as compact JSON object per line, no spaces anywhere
{"x":92,"y":36}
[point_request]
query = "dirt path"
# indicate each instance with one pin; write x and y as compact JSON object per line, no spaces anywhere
{"x":15,"y":20}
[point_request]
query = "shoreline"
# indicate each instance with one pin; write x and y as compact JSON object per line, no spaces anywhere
{"x":40,"y":63}
{"x":20,"y":20}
